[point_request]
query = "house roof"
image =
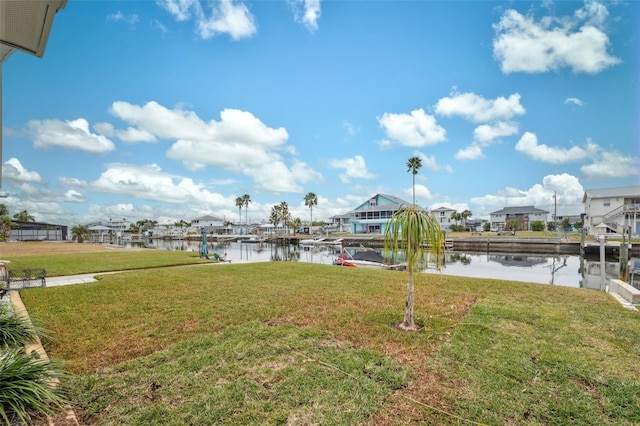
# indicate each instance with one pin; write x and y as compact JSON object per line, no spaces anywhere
{"x":627,"y":191}
{"x":394,"y":205}
{"x":519,"y":210}
{"x":207,"y":218}
{"x":443,"y":209}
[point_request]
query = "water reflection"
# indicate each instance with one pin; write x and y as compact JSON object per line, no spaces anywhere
{"x":563,"y":270}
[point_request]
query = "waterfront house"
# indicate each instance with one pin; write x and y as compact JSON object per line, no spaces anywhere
{"x":612,"y":210}
{"x":523,"y":215}
{"x":372,"y":216}
{"x":443,"y":214}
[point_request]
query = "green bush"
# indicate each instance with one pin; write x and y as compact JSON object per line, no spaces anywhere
{"x":25,"y":381}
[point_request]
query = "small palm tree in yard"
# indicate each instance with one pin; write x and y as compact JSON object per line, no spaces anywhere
{"x":26,"y":382}
{"x":415,"y":233}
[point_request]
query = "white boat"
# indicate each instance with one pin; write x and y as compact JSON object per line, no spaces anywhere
{"x":312,"y":241}
{"x":362,"y":259}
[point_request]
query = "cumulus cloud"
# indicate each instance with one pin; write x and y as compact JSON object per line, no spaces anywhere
{"x":577,"y":42}
{"x":239,"y":142}
{"x":354,"y":168}
{"x":568,"y":189}
{"x":223,"y":17}
{"x":148,"y":182}
{"x":68,"y":134}
{"x":14,"y":171}
{"x":487,"y":133}
{"x":612,"y":164}
{"x":471,"y":152}
{"x":431,"y":163}
{"x":605,"y":163}
{"x":528,"y":145}
{"x":416,"y":130}
{"x":306,"y":12}
{"x":422,"y":193}
{"x":477,"y":109}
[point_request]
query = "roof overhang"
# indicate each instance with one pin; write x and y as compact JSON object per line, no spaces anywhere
{"x":25,"y":25}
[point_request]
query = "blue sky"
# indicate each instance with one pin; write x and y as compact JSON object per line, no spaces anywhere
{"x":170,"y":110}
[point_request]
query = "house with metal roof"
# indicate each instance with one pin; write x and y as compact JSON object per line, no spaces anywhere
{"x":612,"y":210}
{"x":372,"y":216}
{"x":523,"y":215}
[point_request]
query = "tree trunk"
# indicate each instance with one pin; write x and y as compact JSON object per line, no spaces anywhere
{"x":409,"y":323}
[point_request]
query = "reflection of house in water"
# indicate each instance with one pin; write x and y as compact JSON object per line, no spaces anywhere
{"x":524,"y":260}
{"x":591,"y":274}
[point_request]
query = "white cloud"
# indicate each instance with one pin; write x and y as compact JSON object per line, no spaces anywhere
{"x":567,"y":187}
{"x":355,"y":168}
{"x":574,"y":101}
{"x":477,"y":109}
{"x":225,"y":17}
{"x":14,"y":171}
{"x":605,"y":163}
{"x":612,"y":164}
{"x":422,"y":193}
{"x":149,"y":182}
{"x":578,"y":42}
{"x":307,"y":12}
{"x":68,"y":134}
{"x":471,"y":152}
{"x":414,"y":130}
{"x":528,"y":145}
{"x":121,"y":17}
{"x":239,"y":143}
{"x":129,"y":135}
{"x":486,"y":133}
{"x":430,"y":163}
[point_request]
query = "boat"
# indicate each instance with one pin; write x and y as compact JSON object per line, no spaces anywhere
{"x":362,"y":259}
{"x":312,"y":241}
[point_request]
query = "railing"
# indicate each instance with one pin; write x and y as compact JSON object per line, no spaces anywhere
{"x":623,"y":209}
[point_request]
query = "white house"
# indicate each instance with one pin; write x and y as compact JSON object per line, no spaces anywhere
{"x":207,"y":222}
{"x":610,"y":210}
{"x":524,"y":215}
{"x":443,"y":214}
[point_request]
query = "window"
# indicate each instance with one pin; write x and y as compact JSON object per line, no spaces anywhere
{"x":606,"y":203}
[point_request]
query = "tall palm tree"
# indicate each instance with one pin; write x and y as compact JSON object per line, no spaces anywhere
{"x":414,"y":232}
{"x":413,"y":165}
{"x":285,"y":215}
{"x":239,"y":204}
{"x":311,"y":200}
{"x":246,"y":199}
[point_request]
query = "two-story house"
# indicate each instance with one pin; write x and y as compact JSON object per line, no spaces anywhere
{"x":443,"y":214}
{"x":610,"y":210}
{"x":372,"y":216}
{"x":523,"y":215}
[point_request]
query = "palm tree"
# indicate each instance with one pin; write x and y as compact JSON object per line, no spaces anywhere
{"x":413,"y":165}
{"x":466,"y":214}
{"x":415,"y":232}
{"x":246,"y":199}
{"x":79,"y":233}
{"x":285,"y":215}
{"x":23,"y":216}
{"x":311,"y":200}
{"x":239,"y":204}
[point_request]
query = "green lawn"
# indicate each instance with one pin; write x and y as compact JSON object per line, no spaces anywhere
{"x":299,"y":343}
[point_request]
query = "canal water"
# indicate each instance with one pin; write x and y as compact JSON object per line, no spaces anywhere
{"x":562,"y":270}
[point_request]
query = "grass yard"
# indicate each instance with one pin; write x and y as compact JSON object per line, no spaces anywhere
{"x":298,"y":343}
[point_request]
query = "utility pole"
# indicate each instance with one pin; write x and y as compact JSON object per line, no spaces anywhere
{"x":555,"y":212}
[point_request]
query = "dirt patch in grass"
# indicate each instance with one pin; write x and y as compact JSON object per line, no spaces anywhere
{"x":36,"y":248}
